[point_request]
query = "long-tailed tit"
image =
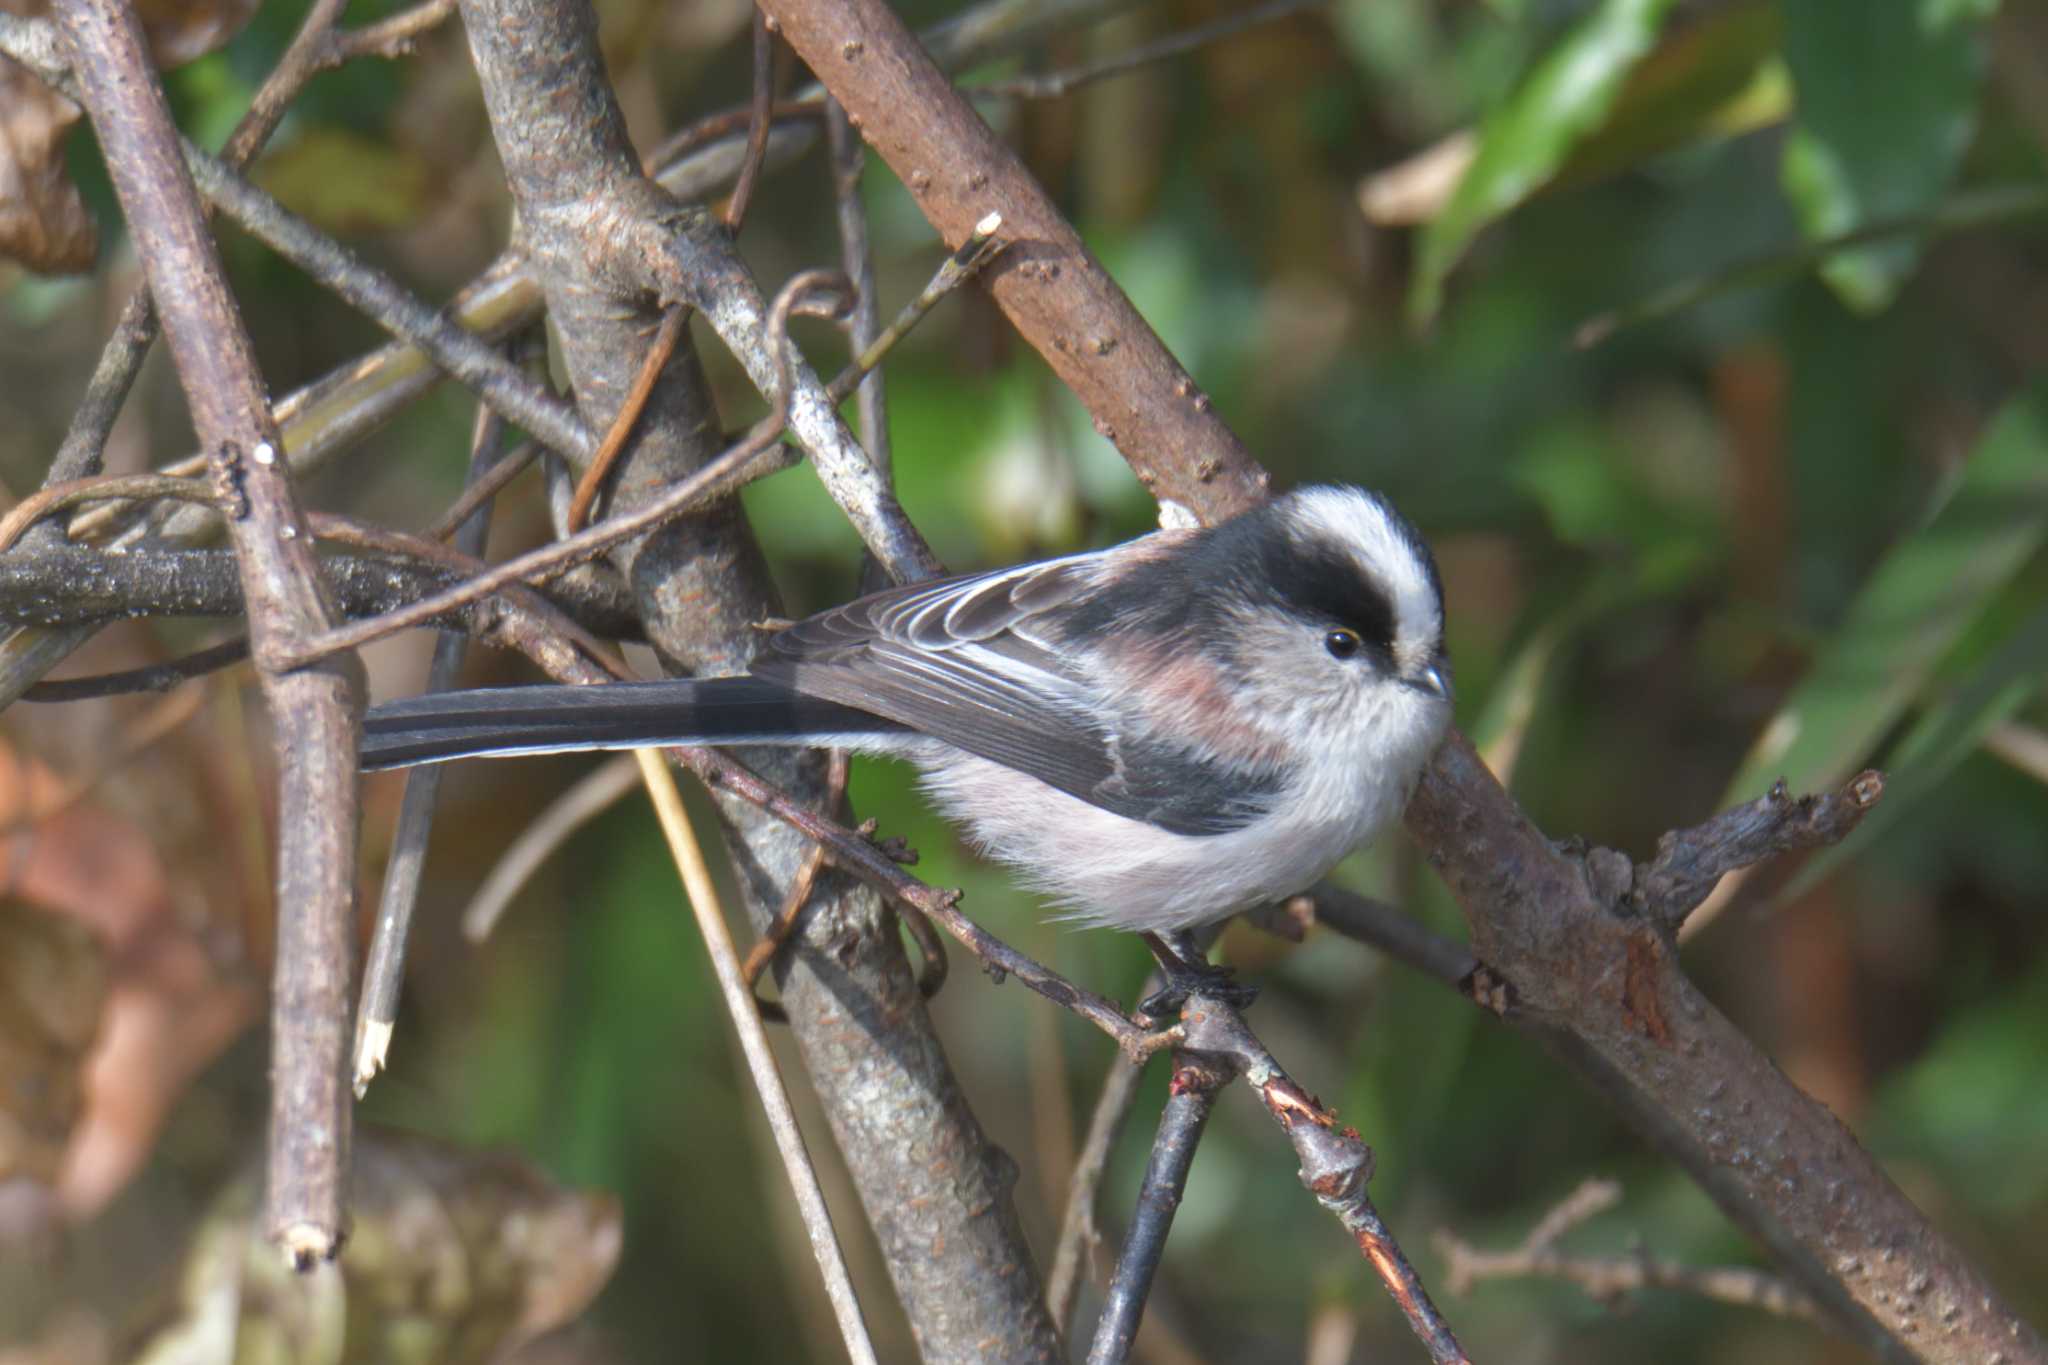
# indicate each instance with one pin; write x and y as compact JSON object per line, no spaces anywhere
{"x":1156,"y":735}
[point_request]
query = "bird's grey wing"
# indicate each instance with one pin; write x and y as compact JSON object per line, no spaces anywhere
{"x":974,"y":661}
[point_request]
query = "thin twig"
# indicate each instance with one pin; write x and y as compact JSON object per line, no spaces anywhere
{"x":589,"y":797}
{"x":755,"y":454}
{"x":502,"y":297}
{"x":727,"y":471}
{"x":1608,"y":1279}
{"x":473,"y":362}
{"x":658,"y":352}
{"x":323,"y":418}
{"x":760,"y":116}
{"x":736,"y":313}
{"x":980,"y":248}
{"x":384,"y":966}
{"x":791,"y":914}
{"x":1335,"y":1163}
{"x":1385,"y":927}
{"x":1056,"y":293}
{"x":739,"y":1003}
{"x":150,"y":678}
{"x":857,"y":855}
{"x":55,"y":497}
{"x":332,"y":526}
{"x":1079,"y":1236}
{"x":135,"y":331}
{"x":475,"y":495}
{"x":857,"y":259}
{"x":970,"y":37}
{"x":726,"y":124}
{"x":395,"y":36}
{"x":1189,"y":1098}
{"x":1959,"y":213}
{"x":67,"y":585}
{"x":1078,"y":1233}
{"x":1054,"y":84}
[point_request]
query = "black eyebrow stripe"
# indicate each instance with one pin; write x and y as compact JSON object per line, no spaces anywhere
{"x":1324,"y":583}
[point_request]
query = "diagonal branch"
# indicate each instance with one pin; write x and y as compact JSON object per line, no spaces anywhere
{"x":1053,"y":290}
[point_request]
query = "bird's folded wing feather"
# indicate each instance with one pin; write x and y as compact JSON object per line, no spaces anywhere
{"x":975,"y":662}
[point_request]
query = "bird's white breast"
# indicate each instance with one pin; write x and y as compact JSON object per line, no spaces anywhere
{"x":1107,"y":869}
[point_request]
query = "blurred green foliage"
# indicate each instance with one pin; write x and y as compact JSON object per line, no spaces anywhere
{"x":1792,"y":529}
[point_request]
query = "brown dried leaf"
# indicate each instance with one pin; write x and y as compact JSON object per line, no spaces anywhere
{"x":52,"y":988}
{"x":43,"y":223}
{"x":110,"y":1052}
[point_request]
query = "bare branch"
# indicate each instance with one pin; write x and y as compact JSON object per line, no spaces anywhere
{"x":1055,"y":293}
{"x":152,"y":678}
{"x":1690,"y":862}
{"x":1398,"y":935}
{"x":1600,"y":984}
{"x":760,"y":118}
{"x":753,"y":456}
{"x":857,"y":259}
{"x":937,"y":1194}
{"x":55,"y":497}
{"x":395,"y":36}
{"x":1189,"y":1098}
{"x":384,"y":966}
{"x":314,"y":711}
{"x":607,"y":453}
{"x":1609,"y":1279}
{"x":1079,"y":1236}
{"x":1335,"y":1164}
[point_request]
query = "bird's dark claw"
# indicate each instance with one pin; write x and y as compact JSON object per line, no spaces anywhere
{"x":1188,"y":971}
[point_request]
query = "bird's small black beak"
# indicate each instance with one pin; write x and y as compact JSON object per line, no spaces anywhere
{"x":1436,"y":681}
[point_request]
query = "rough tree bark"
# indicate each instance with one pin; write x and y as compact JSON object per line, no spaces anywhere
{"x":936,"y":1190}
{"x":1578,"y":963}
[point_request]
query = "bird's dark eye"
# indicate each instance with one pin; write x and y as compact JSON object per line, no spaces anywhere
{"x":1342,"y":644}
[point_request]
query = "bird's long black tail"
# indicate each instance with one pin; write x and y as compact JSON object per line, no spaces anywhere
{"x":549,"y":719}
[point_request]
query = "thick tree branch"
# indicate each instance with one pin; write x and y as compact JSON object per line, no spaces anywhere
{"x":1612,"y":998}
{"x":1055,"y":293}
{"x":68,"y":586}
{"x":936,"y":1191}
{"x":1601,"y":983}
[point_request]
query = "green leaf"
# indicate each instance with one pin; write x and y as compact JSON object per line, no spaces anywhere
{"x":1938,"y":743}
{"x":1956,"y":1109}
{"x":1717,"y":78}
{"x":1521,"y":146}
{"x":1917,"y":603}
{"x":347,"y":183}
{"x":1887,"y":93}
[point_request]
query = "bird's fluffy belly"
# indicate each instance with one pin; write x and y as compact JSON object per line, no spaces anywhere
{"x":1114,"y":871}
